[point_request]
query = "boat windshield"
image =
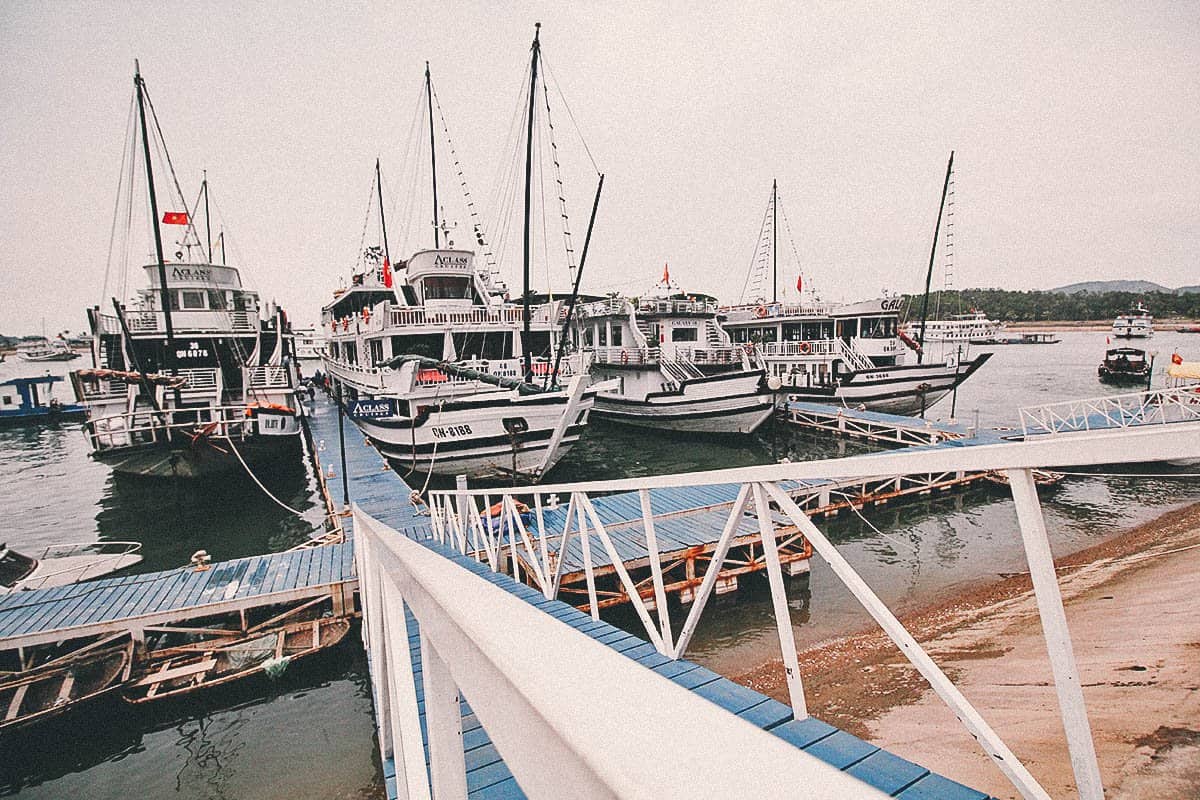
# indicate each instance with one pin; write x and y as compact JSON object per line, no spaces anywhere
{"x":444,"y":287}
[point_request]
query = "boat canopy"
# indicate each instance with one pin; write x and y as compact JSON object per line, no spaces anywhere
{"x":1188,"y":370}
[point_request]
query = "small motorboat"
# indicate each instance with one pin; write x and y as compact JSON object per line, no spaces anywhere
{"x":64,"y":684}
{"x":1125,"y":366}
{"x":61,"y":564}
{"x":25,"y":400}
{"x":176,"y":671}
{"x":45,"y":349}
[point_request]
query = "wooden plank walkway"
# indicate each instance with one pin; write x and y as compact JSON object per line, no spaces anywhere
{"x":135,"y":602}
{"x":384,"y":495}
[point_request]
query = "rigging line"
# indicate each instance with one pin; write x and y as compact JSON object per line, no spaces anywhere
{"x":362,"y":239}
{"x":562,"y":96}
{"x":505,"y":186}
{"x":258,"y":483}
{"x":750,"y":271}
{"x":867,"y":522}
{"x":477,"y":221}
{"x":407,"y":163}
{"x":562,"y":199}
{"x":165,"y":152}
{"x":1131,"y":474}
{"x":112,"y":234}
{"x":787,"y":225}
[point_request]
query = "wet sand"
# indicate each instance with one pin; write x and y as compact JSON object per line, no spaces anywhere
{"x":1133,"y":608}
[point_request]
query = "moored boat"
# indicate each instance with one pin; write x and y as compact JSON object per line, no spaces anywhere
{"x":1136,"y":323}
{"x":670,"y":364}
{"x":182,"y":670}
{"x":45,"y":349}
{"x":63,"y":685}
{"x":1125,"y":366}
{"x":62,"y":564}
{"x":196,"y":378}
{"x":26,"y":400}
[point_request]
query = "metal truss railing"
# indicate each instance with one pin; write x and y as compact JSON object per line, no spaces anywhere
{"x":1159,"y":406}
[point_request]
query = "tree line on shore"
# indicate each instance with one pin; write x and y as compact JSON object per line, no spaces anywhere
{"x":1032,"y":306}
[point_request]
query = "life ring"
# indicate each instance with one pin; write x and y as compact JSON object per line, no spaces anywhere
{"x":749,"y":348}
{"x":760,"y":312}
{"x":366,"y":314}
{"x":805,"y":348}
{"x":624,"y":356}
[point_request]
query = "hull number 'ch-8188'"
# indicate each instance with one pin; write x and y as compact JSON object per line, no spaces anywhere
{"x":451,"y":431}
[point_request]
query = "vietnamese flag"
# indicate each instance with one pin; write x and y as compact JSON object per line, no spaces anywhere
{"x":799,"y":283}
{"x":175,"y":218}
{"x":666,"y":279}
{"x":1176,"y":359}
{"x":387,"y":273}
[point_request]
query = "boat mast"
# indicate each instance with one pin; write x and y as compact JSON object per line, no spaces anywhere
{"x":775,"y":240}
{"x":932,"y":256}
{"x":164,"y":295}
{"x":207,"y":218}
{"x":528,"y":195}
{"x":566,"y":326}
{"x":387,"y":257}
{"x":433,"y":160}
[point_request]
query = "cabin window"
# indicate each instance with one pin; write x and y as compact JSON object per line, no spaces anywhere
{"x":376,"y":352}
{"x":192,"y":299}
{"x":684,"y":334}
{"x":216,"y":300}
{"x":8,"y":400}
{"x":439,"y":287}
{"x":616,"y":336}
{"x":603,"y":336}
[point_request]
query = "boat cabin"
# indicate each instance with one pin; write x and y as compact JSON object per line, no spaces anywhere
{"x":33,"y":399}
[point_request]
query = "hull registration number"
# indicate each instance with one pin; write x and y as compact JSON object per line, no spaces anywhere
{"x":451,"y":431}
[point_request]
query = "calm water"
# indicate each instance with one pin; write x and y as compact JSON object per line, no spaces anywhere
{"x":311,"y":734}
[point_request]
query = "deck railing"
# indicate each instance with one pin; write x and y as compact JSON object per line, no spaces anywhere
{"x":268,"y":377}
{"x":146,"y":426}
{"x":570,"y":716}
{"x":184,"y":322}
{"x":528,"y":530}
{"x":1159,"y":406}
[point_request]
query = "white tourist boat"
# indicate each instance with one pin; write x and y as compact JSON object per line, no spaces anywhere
{"x":63,"y":564}
{"x":309,"y":343}
{"x":973,"y":327}
{"x":1136,"y":323}
{"x":195,"y":377}
{"x":851,"y":354}
{"x":670,"y":364}
{"x":442,"y":372}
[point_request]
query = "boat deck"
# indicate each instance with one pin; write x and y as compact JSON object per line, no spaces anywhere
{"x":384,"y":495}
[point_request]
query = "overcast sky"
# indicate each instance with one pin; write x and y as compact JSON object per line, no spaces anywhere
{"x":1075,"y":131}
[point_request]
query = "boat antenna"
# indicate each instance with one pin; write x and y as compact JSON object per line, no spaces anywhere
{"x":775,"y":240}
{"x":932,"y":256}
{"x":433,"y":161}
{"x":387,"y":256}
{"x":207,"y":218}
{"x":525,"y":335}
{"x":164,"y":295}
{"x":575,"y":289}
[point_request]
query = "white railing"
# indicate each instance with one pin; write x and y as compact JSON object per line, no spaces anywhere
{"x":102,"y":389}
{"x":146,"y":426}
{"x":745,"y":311}
{"x":625,"y":355}
{"x":570,"y":716}
{"x":268,"y":377}
{"x":507,"y":315}
{"x":610,"y":306}
{"x":816,"y":348}
{"x":524,"y":530}
{"x":648,"y":305}
{"x":707,"y":355}
{"x":201,"y":379}
{"x":1179,"y":404}
{"x":184,"y":322}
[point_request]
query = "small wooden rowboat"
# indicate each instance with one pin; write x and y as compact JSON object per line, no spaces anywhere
{"x":64,"y":684}
{"x":181,"y":670}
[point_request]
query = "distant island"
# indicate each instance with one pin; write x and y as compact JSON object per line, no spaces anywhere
{"x":1081,"y":302}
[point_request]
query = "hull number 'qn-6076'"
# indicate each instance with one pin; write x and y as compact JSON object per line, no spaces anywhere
{"x":451,"y":431}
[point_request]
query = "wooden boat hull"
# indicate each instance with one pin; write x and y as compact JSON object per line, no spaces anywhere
{"x":722,"y":403}
{"x":183,"y":670}
{"x":156,"y":461}
{"x":62,"y":686}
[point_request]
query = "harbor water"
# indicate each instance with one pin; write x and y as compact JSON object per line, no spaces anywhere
{"x":310,"y":733}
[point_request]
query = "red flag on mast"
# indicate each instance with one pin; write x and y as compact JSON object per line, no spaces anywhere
{"x":175,"y":218}
{"x":799,"y":283}
{"x":387,"y":273}
{"x":666,"y":274}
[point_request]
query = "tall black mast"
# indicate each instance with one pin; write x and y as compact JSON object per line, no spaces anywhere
{"x":566,"y":326}
{"x":775,"y":240}
{"x":164,"y":295}
{"x":432,"y":157}
{"x":528,"y":195}
{"x":387,"y":256}
{"x":207,"y":218}
{"x":933,"y":255}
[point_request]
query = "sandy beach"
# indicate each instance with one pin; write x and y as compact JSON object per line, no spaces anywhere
{"x":1134,"y":613}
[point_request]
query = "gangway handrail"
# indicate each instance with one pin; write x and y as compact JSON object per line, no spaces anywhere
{"x":570,"y":716}
{"x":1132,"y":409}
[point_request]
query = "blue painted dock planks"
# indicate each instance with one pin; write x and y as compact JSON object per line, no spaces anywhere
{"x":112,"y":600}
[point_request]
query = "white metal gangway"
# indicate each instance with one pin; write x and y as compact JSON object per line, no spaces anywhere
{"x":1154,"y":407}
{"x":498,"y":533}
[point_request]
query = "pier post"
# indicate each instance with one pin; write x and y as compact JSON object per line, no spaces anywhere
{"x":1058,"y":637}
{"x":443,"y":717}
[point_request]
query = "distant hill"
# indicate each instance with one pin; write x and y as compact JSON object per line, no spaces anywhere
{"x":1188,"y":290}
{"x":1097,"y":287}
